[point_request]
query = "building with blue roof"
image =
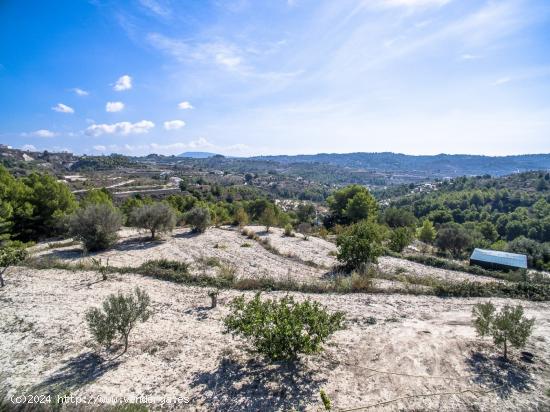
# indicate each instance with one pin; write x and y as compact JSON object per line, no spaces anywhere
{"x":495,"y":259}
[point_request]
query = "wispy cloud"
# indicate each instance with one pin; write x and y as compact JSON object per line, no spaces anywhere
{"x":174,"y":124}
{"x":63,"y":108}
{"x":40,"y":133}
{"x":502,"y":80}
{"x":80,"y":92}
{"x":222,"y":53}
{"x":123,"y":83}
{"x":121,"y":128}
{"x":113,"y":107}
{"x":28,"y":148}
{"x":158,"y":7}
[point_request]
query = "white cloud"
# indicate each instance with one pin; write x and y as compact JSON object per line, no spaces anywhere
{"x":100,"y":148}
{"x":174,"y":124}
{"x":62,"y":108}
{"x":123,"y":83}
{"x":502,"y":80}
{"x":221,"y":53}
{"x":28,"y":147}
{"x":41,"y":133}
{"x":121,"y":128}
{"x":416,"y":3}
{"x":80,"y":92}
{"x":468,"y":56}
{"x":185,"y":105}
{"x":114,"y":106}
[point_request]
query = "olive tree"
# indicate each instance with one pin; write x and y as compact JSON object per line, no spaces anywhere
{"x":10,"y":256}
{"x":304,"y":229}
{"x":119,"y":315}
{"x":199,"y":219}
{"x":268,"y":218}
{"x":157,"y":217}
{"x":507,"y":327}
{"x":96,"y":226}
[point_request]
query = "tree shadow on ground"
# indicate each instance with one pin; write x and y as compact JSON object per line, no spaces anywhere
{"x":77,"y":372}
{"x":140,"y":243}
{"x":256,"y":386}
{"x":495,"y":372}
{"x":200,"y":312}
{"x":187,"y":235}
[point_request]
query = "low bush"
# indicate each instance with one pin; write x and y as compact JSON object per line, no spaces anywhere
{"x":10,"y":256}
{"x":282,"y":329}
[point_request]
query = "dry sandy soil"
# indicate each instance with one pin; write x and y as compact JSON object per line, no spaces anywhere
{"x":295,"y":257}
{"x":418,"y":345}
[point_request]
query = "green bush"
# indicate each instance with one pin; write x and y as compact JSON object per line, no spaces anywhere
{"x":10,"y":256}
{"x":288,"y":230}
{"x":119,"y":316}
{"x":96,"y":226}
{"x":507,"y":327}
{"x":359,"y":245}
{"x":283,"y":329}
{"x":198,"y":218}
{"x":400,"y":238}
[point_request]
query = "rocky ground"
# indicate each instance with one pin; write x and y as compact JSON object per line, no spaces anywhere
{"x":394,"y":348}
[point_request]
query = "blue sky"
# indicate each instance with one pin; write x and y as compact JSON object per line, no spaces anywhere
{"x":245,"y":77}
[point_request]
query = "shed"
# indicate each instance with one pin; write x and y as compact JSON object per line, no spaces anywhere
{"x":495,"y":259}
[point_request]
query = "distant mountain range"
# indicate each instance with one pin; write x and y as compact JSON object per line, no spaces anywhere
{"x":197,"y":155}
{"x":440,"y":165}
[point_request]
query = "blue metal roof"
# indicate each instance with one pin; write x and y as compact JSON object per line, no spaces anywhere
{"x":500,"y":258}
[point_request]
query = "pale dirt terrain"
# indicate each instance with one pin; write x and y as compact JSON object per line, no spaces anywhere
{"x":418,"y":345}
{"x":295,"y":257}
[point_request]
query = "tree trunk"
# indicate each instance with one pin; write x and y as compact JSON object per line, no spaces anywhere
{"x":214,"y":301}
{"x":125,"y":344}
{"x":153,"y":234}
{"x":2,"y":277}
{"x":505,"y":349}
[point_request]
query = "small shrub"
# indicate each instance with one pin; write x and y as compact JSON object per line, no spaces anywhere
{"x":304,"y":229}
{"x":288,"y":230}
{"x":96,"y":226}
{"x":326,"y":400}
{"x":508,"y":326}
{"x":323,"y":232}
{"x":283,"y":329}
{"x":158,"y":217}
{"x":165,"y":264}
{"x":10,"y":256}
{"x":246,"y":244}
{"x":119,"y":316}
{"x":241,"y":217}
